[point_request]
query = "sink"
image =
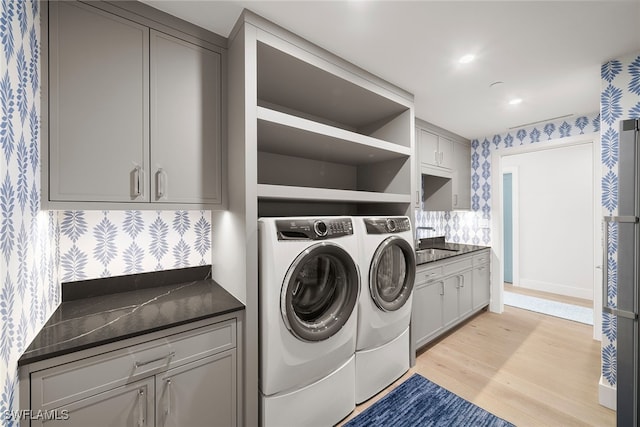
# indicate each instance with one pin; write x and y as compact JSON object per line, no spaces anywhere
{"x":436,"y":251}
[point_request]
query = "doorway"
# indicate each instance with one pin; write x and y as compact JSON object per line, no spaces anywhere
{"x":543,"y":223}
{"x":507,"y":211}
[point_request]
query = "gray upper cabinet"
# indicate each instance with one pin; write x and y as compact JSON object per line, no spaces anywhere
{"x":135,"y":113}
{"x":461,"y":176}
{"x":444,"y":169}
{"x":185,"y":121}
{"x":98,"y":138}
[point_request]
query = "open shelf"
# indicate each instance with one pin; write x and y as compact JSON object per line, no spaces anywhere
{"x":283,"y":133}
{"x":286,"y":192}
{"x":287,"y":80}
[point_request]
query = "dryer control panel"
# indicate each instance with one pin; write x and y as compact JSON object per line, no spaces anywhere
{"x":313,"y":228}
{"x":387,"y":225}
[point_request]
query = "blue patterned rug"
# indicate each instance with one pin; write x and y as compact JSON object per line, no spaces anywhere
{"x":419,"y":402}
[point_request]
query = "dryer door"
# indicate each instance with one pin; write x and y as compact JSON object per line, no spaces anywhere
{"x":392,"y":273}
{"x":319,"y":292}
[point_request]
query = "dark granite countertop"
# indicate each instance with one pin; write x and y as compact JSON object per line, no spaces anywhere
{"x":444,"y":250}
{"x":102,"y":311}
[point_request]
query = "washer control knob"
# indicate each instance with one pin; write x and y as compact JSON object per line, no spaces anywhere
{"x":320,"y":228}
{"x":391,"y":225}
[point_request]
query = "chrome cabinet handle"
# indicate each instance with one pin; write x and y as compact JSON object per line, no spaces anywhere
{"x":141,"y":407}
{"x":168,"y":356}
{"x":167,"y":408}
{"x":442,"y":288}
{"x":161,"y":180}
{"x":138,"y":181}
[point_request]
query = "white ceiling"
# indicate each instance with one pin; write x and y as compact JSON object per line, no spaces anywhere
{"x":548,"y":53}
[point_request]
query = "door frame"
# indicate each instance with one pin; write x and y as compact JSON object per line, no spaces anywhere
{"x":497,"y":243}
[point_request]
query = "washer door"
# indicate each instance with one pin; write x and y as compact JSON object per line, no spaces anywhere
{"x":319,"y":292}
{"x":392,"y":273}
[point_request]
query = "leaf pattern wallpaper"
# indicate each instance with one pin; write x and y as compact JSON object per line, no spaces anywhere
{"x":40,"y":249}
{"x":29,"y":290}
{"x":619,"y":100}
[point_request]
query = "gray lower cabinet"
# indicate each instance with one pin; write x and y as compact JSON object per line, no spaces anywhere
{"x":135,"y":114}
{"x":129,"y":405}
{"x":181,"y":379}
{"x":481,"y":279}
{"x":447,"y":292}
{"x":199,"y":393}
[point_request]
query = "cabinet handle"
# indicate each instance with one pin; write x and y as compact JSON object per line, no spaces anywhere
{"x":455,"y":200}
{"x":435,"y":155}
{"x":418,"y":197}
{"x":161,"y":181}
{"x":441,"y":157}
{"x":442,"y":288}
{"x":141,"y":407}
{"x":137,"y":181}
{"x":168,"y":356}
{"x":461,"y":281}
{"x":167,"y":409}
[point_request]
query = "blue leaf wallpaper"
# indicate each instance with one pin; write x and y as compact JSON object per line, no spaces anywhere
{"x":40,"y":249}
{"x":97,"y":244}
{"x":620,"y":99}
{"x":29,"y":286}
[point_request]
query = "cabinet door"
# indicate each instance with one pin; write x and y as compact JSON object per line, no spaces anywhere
{"x":426,"y":314}
{"x":201,"y":393}
{"x":450,"y":300}
{"x":465,"y":292}
{"x":428,"y":148}
{"x":127,"y":406}
{"x":98,"y":100}
{"x":445,"y":148}
{"x":481,"y":286}
{"x":185,"y":121}
{"x":461,"y":176}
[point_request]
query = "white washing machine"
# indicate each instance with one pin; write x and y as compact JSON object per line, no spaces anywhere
{"x":388,"y":266}
{"x":309,"y":284}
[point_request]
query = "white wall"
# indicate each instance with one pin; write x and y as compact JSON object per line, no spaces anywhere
{"x":555,"y":189}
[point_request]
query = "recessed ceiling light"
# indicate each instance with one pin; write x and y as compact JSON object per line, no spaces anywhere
{"x":466,"y":59}
{"x":515,"y":101}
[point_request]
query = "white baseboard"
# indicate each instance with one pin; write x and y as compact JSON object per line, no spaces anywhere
{"x":607,"y":395}
{"x":556,"y":288}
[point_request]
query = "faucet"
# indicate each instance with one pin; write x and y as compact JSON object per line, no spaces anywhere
{"x":417,"y":243}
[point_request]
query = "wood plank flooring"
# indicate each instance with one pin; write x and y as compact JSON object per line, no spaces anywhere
{"x":547,"y":295}
{"x":525,"y":367}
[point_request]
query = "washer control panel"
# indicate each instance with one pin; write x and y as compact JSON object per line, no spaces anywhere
{"x":313,"y":228}
{"x":387,"y":225}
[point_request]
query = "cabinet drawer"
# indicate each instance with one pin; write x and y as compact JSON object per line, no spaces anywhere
{"x":428,"y":275}
{"x":57,"y":386}
{"x":482,"y":257}
{"x":458,"y":266}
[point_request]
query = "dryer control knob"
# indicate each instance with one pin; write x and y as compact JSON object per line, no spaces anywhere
{"x":391,"y":225}
{"x":320,"y":228}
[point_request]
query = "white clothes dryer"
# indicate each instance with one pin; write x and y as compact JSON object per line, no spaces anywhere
{"x":309,"y":284}
{"x":388,"y":265}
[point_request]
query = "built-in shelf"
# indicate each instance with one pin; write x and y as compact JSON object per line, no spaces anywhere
{"x":286,"y":192}
{"x":283,"y":133}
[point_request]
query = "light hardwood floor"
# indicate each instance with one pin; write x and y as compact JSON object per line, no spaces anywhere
{"x":547,"y":295}
{"x":525,"y":367}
